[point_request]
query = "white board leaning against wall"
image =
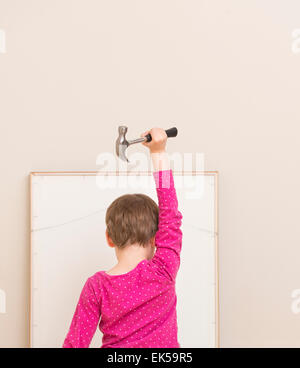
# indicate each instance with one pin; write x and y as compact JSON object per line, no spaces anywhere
{"x":68,"y":246}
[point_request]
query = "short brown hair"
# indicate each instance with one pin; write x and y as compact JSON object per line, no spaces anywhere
{"x":132,"y":218}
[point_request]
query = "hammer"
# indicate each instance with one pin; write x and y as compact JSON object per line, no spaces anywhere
{"x":122,"y":143}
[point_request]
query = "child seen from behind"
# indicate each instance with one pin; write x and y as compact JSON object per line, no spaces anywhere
{"x":134,"y":303}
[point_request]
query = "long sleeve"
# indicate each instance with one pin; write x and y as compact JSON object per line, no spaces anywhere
{"x":168,"y":238}
{"x":86,"y":317}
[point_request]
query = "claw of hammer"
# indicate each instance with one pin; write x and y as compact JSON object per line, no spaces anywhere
{"x":122,"y":143}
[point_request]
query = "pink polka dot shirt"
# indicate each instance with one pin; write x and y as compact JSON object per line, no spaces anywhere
{"x":136,"y":309}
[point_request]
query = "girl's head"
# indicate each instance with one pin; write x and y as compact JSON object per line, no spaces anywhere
{"x":131,"y":219}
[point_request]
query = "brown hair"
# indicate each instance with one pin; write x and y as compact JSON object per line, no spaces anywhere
{"x":132,"y":218}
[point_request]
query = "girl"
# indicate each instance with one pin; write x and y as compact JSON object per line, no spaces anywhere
{"x":135,"y":301}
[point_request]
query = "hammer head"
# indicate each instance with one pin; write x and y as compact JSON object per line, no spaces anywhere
{"x":122,"y":143}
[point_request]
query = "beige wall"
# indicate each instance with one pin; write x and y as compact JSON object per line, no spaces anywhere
{"x":222,"y":70}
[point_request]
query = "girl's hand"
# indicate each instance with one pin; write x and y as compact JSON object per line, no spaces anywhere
{"x":159,"y":140}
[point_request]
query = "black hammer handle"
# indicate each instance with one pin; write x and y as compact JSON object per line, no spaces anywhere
{"x":172,"y":132}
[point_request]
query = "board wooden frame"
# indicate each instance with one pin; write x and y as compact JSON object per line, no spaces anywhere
{"x":215,"y":174}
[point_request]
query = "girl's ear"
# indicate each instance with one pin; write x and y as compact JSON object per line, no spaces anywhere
{"x":108,"y":239}
{"x":152,"y":241}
